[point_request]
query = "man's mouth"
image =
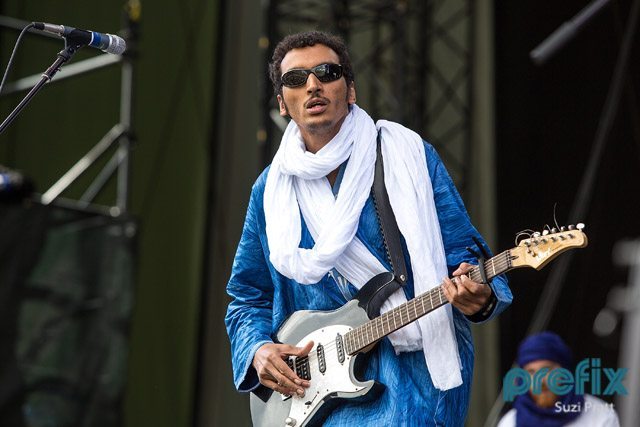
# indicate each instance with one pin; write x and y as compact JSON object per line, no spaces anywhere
{"x":316,"y":105}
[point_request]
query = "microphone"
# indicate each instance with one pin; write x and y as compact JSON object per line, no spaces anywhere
{"x":105,"y":42}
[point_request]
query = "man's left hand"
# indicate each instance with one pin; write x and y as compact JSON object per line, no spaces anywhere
{"x":465,"y":294}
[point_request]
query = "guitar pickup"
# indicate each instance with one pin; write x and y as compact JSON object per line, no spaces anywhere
{"x":322,"y":364}
{"x":340,"y":348}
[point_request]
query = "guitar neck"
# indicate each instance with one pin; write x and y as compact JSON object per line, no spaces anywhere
{"x":372,"y":331}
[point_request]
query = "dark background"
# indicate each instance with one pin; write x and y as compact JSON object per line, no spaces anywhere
{"x":547,"y":118}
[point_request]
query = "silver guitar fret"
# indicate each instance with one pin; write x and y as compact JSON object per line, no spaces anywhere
{"x":382,"y":319}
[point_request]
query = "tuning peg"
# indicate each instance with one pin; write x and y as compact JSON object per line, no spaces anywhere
{"x":563,"y":228}
{"x":580,"y":226}
{"x":572,"y":227}
{"x":545,"y":232}
{"x":536,"y":234}
{"x":554,"y":230}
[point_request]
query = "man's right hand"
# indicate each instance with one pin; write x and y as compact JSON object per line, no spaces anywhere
{"x":273,"y":371}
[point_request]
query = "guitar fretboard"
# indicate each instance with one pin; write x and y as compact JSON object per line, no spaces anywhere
{"x":370,"y":332}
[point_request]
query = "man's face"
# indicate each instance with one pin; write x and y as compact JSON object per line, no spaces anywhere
{"x":546,"y":398}
{"x":317,"y":108}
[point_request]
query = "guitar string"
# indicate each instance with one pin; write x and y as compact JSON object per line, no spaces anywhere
{"x":359,"y":338}
{"x":366,"y":333}
{"x":361,"y":335}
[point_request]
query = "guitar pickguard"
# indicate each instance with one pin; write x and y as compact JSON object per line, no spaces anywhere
{"x":337,"y":382}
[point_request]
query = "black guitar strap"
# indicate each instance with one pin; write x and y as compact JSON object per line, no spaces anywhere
{"x":388,"y":223}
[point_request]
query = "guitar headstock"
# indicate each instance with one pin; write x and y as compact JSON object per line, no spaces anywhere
{"x":539,"y":249}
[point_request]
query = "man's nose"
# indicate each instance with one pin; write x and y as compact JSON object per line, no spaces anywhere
{"x":313,"y":84}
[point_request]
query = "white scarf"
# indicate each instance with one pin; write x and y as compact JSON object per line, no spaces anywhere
{"x":296,"y":183}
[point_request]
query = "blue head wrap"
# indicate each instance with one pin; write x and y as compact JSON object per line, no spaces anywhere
{"x":545,"y":346}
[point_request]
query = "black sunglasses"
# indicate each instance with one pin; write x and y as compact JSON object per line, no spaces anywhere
{"x":324,"y":72}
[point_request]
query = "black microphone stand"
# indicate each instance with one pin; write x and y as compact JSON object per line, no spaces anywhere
{"x":71,"y":47}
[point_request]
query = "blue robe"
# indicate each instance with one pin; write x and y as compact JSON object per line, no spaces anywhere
{"x":262,"y":299}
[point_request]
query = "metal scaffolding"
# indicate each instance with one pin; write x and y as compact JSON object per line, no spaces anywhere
{"x":412,"y":61}
{"x":121,"y":135}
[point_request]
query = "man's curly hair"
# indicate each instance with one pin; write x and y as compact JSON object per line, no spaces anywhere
{"x":309,"y":38}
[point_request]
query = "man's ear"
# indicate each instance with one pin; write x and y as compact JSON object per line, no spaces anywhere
{"x":283,"y":106}
{"x":351,"y":93}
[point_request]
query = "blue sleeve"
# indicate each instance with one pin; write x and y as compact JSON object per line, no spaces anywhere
{"x":249,"y":314}
{"x":457,"y":230}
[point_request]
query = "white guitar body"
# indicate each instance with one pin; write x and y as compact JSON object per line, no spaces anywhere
{"x":335,"y":383}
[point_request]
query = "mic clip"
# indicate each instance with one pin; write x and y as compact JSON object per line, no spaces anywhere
{"x":75,"y":40}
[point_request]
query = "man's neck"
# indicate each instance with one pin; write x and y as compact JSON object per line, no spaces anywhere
{"x":315,"y":142}
{"x":333,"y":176}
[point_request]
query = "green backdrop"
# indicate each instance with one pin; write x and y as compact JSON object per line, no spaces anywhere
{"x":172,"y":121}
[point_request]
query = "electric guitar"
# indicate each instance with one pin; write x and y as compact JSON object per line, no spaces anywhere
{"x":342,"y":335}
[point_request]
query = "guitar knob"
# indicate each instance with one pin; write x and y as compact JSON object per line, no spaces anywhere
{"x":290,"y":422}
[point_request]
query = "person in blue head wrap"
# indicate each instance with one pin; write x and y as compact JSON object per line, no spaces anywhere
{"x":545,"y":408}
